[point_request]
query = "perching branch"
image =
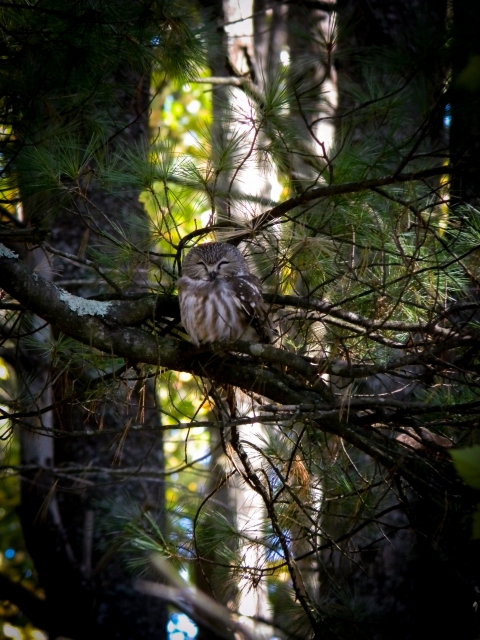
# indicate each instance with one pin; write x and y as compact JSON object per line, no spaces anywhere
{"x":287,"y":380}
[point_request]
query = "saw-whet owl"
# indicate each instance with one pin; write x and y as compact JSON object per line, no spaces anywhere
{"x":220,"y":300}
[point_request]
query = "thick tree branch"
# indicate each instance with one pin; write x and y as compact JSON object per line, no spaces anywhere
{"x":30,"y":234}
{"x":100,"y":325}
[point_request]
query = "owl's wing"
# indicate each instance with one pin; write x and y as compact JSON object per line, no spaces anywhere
{"x":248,"y":293}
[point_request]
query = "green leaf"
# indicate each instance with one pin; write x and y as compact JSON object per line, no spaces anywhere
{"x":476,"y":524}
{"x":469,"y":76}
{"x":467,"y":464}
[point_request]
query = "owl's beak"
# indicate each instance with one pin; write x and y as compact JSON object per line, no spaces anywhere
{"x":212,"y":275}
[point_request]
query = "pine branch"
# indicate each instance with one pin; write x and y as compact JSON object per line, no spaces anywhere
{"x":429,"y":328}
{"x":271,"y":216}
{"x":327,"y":191}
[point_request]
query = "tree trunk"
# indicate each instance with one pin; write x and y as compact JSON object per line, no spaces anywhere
{"x":73,"y":528}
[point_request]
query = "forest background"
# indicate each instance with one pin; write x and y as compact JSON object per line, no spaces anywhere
{"x":333,"y":494}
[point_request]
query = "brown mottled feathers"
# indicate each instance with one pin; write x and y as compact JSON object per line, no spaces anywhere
{"x":220,"y":300}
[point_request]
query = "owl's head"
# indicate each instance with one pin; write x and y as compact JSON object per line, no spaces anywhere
{"x":214,"y":260}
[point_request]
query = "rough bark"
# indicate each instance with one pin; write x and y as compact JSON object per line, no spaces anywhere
{"x":69,"y":525}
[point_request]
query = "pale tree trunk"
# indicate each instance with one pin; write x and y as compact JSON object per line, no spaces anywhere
{"x":207,"y":576}
{"x":37,"y":448}
{"x":312,"y":79}
{"x":252,"y":180}
{"x":311,"y":40}
{"x":236,"y":56}
{"x":255,"y":45}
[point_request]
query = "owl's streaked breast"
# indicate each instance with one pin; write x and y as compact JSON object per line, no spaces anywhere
{"x":212,"y":311}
